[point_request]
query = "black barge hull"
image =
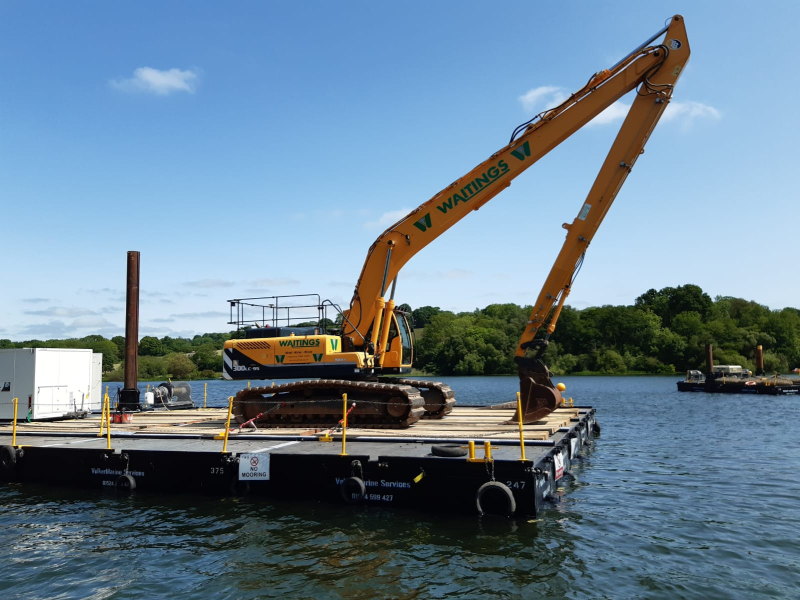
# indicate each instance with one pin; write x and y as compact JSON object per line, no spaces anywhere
{"x":738,"y":387}
{"x":389,"y":472}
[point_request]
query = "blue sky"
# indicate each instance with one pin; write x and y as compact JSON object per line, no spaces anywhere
{"x":259,"y":148}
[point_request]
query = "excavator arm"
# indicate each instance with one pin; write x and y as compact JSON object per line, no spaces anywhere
{"x":539,"y":396}
{"x":652,"y":69}
{"x":375,"y":340}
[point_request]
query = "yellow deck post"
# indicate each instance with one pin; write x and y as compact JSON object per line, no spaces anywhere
{"x":205,"y":394}
{"x":103,"y":414}
{"x":108,"y":423}
{"x":521,"y":435}
{"x":227,"y":425}
{"x":344,"y":426}
{"x":14,"y":428}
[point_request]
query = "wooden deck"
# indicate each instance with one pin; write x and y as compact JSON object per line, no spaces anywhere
{"x":463,"y":422}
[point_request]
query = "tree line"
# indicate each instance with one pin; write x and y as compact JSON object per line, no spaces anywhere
{"x":664,"y":331}
{"x":159,"y":358}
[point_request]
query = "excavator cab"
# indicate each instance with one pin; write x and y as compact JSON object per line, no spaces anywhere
{"x":399,"y":347}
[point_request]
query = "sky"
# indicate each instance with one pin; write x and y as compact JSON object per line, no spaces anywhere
{"x":259,"y":148}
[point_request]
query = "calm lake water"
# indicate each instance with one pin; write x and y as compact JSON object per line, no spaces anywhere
{"x":683,"y":496}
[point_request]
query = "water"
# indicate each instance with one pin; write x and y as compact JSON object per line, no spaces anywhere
{"x":683,"y":496}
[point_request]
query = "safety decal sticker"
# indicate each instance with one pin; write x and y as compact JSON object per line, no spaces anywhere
{"x":254,"y":467}
{"x":559,"y":463}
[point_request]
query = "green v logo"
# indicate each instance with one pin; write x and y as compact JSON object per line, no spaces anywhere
{"x":521,"y":153}
{"x":423,"y":223}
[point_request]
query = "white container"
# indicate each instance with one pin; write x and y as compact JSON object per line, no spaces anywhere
{"x":96,"y":393}
{"x":50,"y":383}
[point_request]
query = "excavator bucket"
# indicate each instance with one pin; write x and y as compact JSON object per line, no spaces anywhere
{"x":538,"y":396}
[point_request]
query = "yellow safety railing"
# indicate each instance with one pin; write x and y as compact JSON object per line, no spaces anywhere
{"x":103,"y":414}
{"x":227,"y":425}
{"x":105,"y":420}
{"x":108,"y":422}
{"x":521,"y":434}
{"x":14,"y":428}
{"x":344,"y":427}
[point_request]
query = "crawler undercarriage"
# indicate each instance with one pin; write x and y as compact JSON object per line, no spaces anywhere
{"x":388,"y":403}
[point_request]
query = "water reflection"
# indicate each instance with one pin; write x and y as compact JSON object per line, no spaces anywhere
{"x":681,"y":497}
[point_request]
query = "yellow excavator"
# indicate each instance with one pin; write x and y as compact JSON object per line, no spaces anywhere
{"x":373,"y":343}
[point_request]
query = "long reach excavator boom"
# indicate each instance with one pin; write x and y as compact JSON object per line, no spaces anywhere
{"x":372,"y":340}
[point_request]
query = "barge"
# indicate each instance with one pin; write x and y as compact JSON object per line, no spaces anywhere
{"x":774,"y":386}
{"x":733,"y":379}
{"x":471,"y":461}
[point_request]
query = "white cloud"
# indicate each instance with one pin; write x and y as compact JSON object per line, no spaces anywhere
{"x":688,"y":112}
{"x":548,"y":96}
{"x":51,"y":330}
{"x":269,"y":283}
{"x":438,"y":275}
{"x":61,"y":311}
{"x":387,"y":219}
{"x":93,"y":322}
{"x":615,"y":112}
{"x":60,"y":330}
{"x":209,"y":283}
{"x":684,"y":112}
{"x":155,"y":81}
{"x":542,"y":98}
{"x":200,"y":315}
{"x":456,"y":274}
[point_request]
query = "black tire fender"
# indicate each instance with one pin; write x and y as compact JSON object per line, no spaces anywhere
{"x":125,"y":483}
{"x":352,"y":490}
{"x":596,"y":428}
{"x":495,"y":498}
{"x":8,"y":458}
{"x":448,"y":450}
{"x":239,"y":488}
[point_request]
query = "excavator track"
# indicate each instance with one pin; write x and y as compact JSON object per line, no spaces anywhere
{"x":318,"y":404}
{"x":439,"y":397}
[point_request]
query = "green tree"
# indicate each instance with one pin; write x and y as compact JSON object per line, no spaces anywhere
{"x":206,"y":358}
{"x":180,"y":345}
{"x":179,"y":366}
{"x":119,"y":341}
{"x":669,"y":301}
{"x":423,"y":315}
{"x":151,"y":346}
{"x":610,"y":361}
{"x":152,"y":367}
